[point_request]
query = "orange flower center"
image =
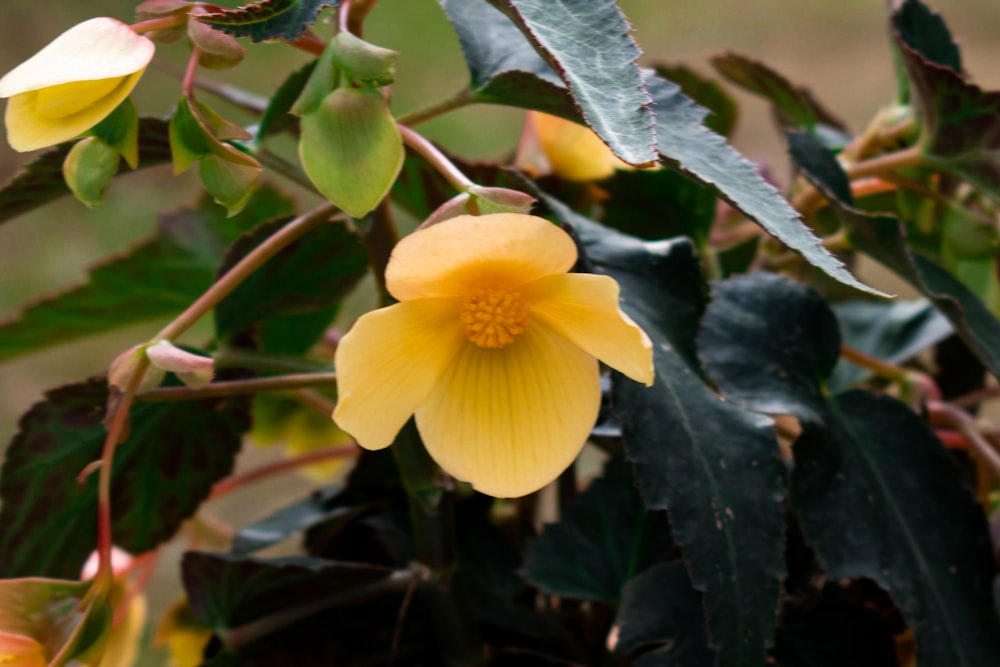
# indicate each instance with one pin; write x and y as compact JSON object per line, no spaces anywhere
{"x":493,"y":317}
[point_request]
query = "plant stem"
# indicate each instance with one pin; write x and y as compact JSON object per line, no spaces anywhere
{"x":120,"y":407}
{"x":343,"y":14}
{"x":309,"y":44}
{"x":879,"y":367}
{"x":460,"y":99}
{"x":883,"y":165}
{"x":240,"y":387}
{"x":944,"y":414}
{"x":244,"y":268}
{"x":190,"y":73}
{"x":438,"y":160}
{"x":236,"y":482}
{"x":160,"y":23}
{"x":280,"y":165}
{"x":267,"y":363}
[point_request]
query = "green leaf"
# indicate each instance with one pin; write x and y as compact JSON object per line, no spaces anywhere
{"x":42,"y":181}
{"x":157,"y":278}
{"x":608,"y":91}
{"x":229,"y":591}
{"x":278,"y":117}
{"x":600,"y":542}
{"x":706,"y":93}
{"x":693,"y":149}
{"x":871,"y":481}
{"x":268,"y":19}
{"x":711,"y":465}
{"x":289,"y":521}
{"x":896,"y":332}
{"x":926,"y":33}
{"x":310,"y":276}
{"x":351,"y":149}
{"x":504,"y":67}
{"x":794,"y":105}
{"x":174,"y":453}
{"x":960,"y":122}
{"x":67,"y":618}
{"x":659,"y":204}
{"x":882,"y":237}
{"x":661,"y":620}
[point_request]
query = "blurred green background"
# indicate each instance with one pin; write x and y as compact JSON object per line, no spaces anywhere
{"x":838,"y":48}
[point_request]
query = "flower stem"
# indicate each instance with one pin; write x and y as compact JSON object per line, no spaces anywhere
{"x":190,"y":73}
{"x":887,"y":164}
{"x":944,"y":414}
{"x":236,"y":482}
{"x":160,"y":23}
{"x":309,"y":44}
{"x":460,"y":99}
{"x":240,"y":387}
{"x":438,"y":160}
{"x":244,"y":268}
{"x":116,"y":434}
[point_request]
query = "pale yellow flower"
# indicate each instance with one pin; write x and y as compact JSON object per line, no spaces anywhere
{"x":493,"y":346}
{"x":21,"y":651}
{"x":567,"y":149}
{"x":73,"y":83}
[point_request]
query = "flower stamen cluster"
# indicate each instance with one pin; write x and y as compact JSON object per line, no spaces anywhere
{"x":493,"y":316}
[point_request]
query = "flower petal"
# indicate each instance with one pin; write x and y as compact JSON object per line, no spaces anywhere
{"x":28,"y":130}
{"x":453,"y":257}
{"x":388,"y":363}
{"x":100,"y":48}
{"x":584,"y":308}
{"x":574,"y":151}
{"x":510,"y":420}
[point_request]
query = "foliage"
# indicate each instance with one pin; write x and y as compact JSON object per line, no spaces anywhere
{"x":807,"y":480}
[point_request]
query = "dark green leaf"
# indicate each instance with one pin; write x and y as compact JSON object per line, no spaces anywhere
{"x":789,"y":365}
{"x":157,"y":278}
{"x":877,"y":493}
{"x":600,"y":542}
{"x":706,"y":93}
{"x":693,"y":149}
{"x":175,"y":452}
{"x":882,"y":237}
{"x":659,"y":204}
{"x":268,"y":19}
{"x":504,"y":67}
{"x":793,"y":105}
{"x":713,"y":466}
{"x":311,"y":275}
{"x":42,"y":181}
{"x":277,"y":117}
{"x":925,"y":32}
{"x":288,"y":521}
{"x":894,"y":331}
{"x":661,"y":620}
{"x":960,"y":130}
{"x":229,"y":591}
{"x":608,"y":90}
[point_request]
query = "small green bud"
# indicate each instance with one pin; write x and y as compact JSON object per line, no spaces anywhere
{"x":351,"y":149}
{"x":361,"y":62}
{"x":89,"y":168}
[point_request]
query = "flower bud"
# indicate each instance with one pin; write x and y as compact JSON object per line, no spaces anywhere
{"x":193,"y":370}
{"x":73,"y":83}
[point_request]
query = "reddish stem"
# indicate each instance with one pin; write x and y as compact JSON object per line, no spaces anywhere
{"x":310,"y":44}
{"x":161,"y":23}
{"x":187,"y":83}
{"x":236,"y":482}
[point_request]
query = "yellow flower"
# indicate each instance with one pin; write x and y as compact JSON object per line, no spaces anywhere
{"x":73,"y":83}
{"x":571,"y":151}
{"x":493,"y":346}
{"x":20,"y":651}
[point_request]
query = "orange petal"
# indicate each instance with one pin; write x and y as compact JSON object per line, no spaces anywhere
{"x":387,"y":364}
{"x":584,"y":308}
{"x":454,"y":257}
{"x":510,"y":420}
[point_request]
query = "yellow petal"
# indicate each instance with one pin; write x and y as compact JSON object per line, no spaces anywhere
{"x":122,"y":645}
{"x":584,"y":308}
{"x":387,"y":364}
{"x":28,"y":129}
{"x":20,"y":651}
{"x":574,"y":152}
{"x":454,"y":257}
{"x":101,"y":48}
{"x":510,"y":420}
